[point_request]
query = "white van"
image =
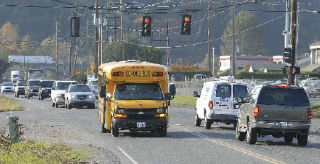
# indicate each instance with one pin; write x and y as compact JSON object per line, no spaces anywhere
{"x":218,"y":102}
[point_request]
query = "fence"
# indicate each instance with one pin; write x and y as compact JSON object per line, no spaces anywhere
{"x":186,"y":88}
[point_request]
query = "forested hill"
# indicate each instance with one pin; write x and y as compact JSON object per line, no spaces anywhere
{"x":39,"y":23}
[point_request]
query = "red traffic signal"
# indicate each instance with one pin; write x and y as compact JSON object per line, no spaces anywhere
{"x":296,"y":70}
{"x":186,"y":24}
{"x":146,"y":26}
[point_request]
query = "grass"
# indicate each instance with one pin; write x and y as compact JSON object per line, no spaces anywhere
{"x":316,"y":111}
{"x":37,"y":153}
{"x":7,"y":104}
{"x":184,"y":101}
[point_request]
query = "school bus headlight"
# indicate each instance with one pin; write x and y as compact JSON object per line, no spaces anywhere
{"x":161,"y":110}
{"x":160,"y":115}
{"x":120,"y":115}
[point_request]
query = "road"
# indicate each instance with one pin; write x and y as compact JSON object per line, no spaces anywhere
{"x":184,"y":143}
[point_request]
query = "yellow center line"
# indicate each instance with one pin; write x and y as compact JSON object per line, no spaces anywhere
{"x":233,"y":147}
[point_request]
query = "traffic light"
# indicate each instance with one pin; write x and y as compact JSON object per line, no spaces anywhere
{"x":288,"y":55}
{"x":186,"y":24}
{"x":296,"y":70}
{"x":146,"y":26}
{"x":75,"y":27}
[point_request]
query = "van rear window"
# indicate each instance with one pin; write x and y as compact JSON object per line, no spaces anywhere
{"x":240,"y":91}
{"x":283,"y":96}
{"x":223,"y":91}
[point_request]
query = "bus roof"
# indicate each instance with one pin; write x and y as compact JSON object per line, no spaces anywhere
{"x":134,"y":71}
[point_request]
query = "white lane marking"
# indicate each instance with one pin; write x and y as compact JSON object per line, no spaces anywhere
{"x":128,"y":156}
{"x":233,"y":147}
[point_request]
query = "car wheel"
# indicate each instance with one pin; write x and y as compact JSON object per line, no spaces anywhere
{"x":42,"y":98}
{"x":28,"y":96}
{"x":161,"y":131}
{"x":240,"y":135}
{"x":207,"y":122}
{"x":288,"y":139}
{"x":114,"y":130}
{"x":251,"y":135}
{"x":103,"y":129}
{"x":57,"y":105}
{"x":302,"y":140}
{"x":197,"y":120}
{"x":68,"y":105}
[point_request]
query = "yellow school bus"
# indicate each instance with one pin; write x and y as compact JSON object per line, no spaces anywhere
{"x":133,"y":96}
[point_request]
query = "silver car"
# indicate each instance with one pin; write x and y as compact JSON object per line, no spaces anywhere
{"x":79,"y":95}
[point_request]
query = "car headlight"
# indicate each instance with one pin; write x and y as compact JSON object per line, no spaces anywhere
{"x":73,"y":96}
{"x":90,"y":96}
{"x":161,"y":110}
{"x":60,"y":95}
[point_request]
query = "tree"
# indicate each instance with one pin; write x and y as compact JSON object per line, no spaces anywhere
{"x":247,"y":42}
{"x":26,"y":45}
{"x":112,"y":52}
{"x":205,"y":63}
{"x":9,"y":34}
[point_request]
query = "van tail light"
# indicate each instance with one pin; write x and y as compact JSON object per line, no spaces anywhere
{"x":309,"y":113}
{"x":210,"y":104}
{"x":256,"y":111}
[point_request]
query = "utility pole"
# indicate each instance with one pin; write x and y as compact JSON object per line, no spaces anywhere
{"x":287,"y":28}
{"x":96,"y":44}
{"x":57,"y":61}
{"x":293,"y":32}
{"x":233,"y":40}
{"x":121,"y":28}
{"x":209,"y":39}
{"x":168,"y":51}
{"x":70,"y":59}
{"x":101,"y":41}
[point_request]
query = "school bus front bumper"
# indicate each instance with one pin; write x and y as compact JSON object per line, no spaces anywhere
{"x":136,"y":124}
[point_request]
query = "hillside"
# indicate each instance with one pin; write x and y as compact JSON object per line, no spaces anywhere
{"x":39,"y":23}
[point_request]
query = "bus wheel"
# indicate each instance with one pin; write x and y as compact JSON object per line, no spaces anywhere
{"x":114,"y":130}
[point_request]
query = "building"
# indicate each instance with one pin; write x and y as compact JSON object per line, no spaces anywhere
{"x":257,"y":63}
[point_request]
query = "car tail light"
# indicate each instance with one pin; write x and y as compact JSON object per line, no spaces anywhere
{"x":156,"y":74}
{"x":117,"y":74}
{"x":309,"y":113}
{"x":210,"y":104}
{"x":256,"y":111}
{"x":282,"y":86}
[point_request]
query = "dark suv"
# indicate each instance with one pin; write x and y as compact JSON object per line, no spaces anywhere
{"x":277,"y":110}
{"x":45,"y":89}
{"x":32,"y":88}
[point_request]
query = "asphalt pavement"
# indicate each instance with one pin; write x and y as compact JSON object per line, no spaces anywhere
{"x":184,"y":143}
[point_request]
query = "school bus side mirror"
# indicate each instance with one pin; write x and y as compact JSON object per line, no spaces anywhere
{"x":172,"y":89}
{"x":102,"y":92}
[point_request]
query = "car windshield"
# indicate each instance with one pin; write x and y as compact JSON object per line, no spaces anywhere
{"x":240,"y":91}
{"x":317,"y":85}
{"x":7,"y":84}
{"x":94,"y":82}
{"x":34,"y":83}
{"x":47,"y":84}
{"x":283,"y":96}
{"x":138,"y":92}
{"x":80,"y":88}
{"x":223,"y":91}
{"x":63,"y":85}
{"x":22,"y":83}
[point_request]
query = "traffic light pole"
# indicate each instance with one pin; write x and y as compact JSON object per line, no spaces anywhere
{"x":293,"y":33}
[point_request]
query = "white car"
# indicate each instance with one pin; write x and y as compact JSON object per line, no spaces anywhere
{"x":79,"y":95}
{"x":7,"y":87}
{"x":217,"y":102}
{"x":20,"y":87}
{"x":58,"y":91}
{"x":93,"y":84}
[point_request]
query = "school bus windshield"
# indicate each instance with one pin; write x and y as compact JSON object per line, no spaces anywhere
{"x":130,"y":91}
